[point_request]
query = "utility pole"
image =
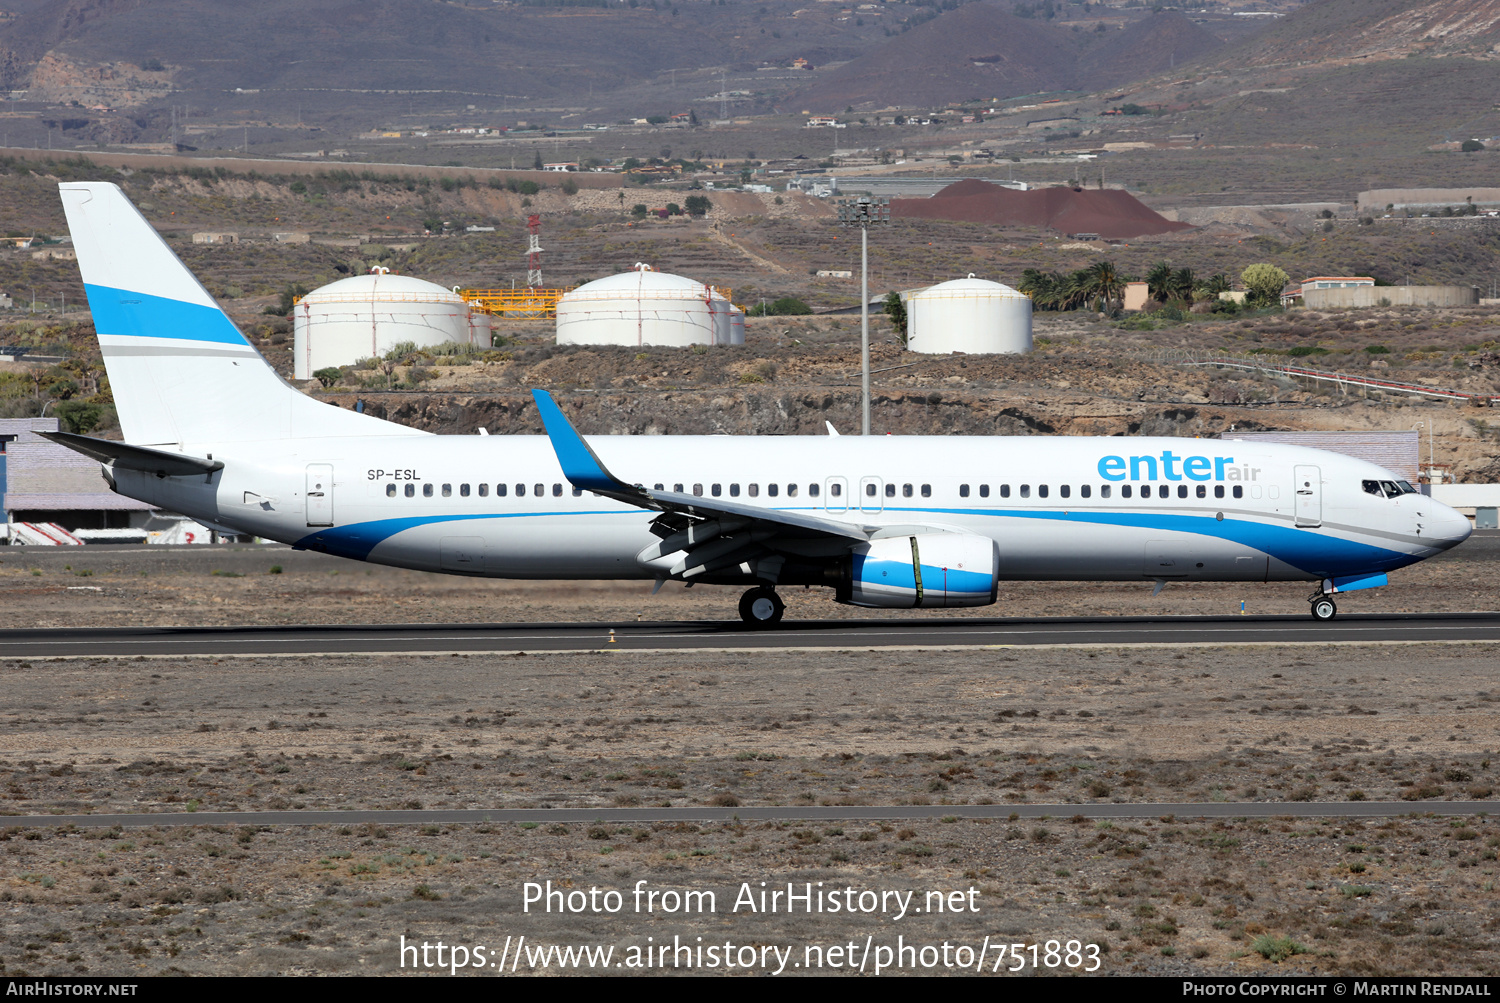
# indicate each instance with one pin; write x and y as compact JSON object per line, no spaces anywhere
{"x":864,"y":212}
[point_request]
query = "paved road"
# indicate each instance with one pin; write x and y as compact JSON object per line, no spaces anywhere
{"x":721,"y":635}
{"x":441,"y":816}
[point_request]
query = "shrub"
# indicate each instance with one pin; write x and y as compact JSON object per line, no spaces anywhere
{"x":329,"y":375}
{"x":1277,"y":949}
{"x":1471,"y":146}
{"x":697,"y":205}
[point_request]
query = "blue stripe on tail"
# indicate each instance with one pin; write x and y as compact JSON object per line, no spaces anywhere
{"x":140,"y":315}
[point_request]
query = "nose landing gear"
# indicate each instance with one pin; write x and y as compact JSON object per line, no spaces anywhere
{"x":761,"y":607}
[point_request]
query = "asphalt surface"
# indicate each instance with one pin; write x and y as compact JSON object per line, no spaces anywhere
{"x":439,"y":816}
{"x":726,"y":635}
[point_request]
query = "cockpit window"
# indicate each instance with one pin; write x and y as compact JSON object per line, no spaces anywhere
{"x":1387,"y":489}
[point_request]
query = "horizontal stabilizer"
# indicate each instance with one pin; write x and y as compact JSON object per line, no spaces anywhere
{"x":124,"y":456}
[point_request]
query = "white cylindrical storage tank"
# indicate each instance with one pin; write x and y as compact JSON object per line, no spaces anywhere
{"x":974,"y":316}
{"x":736,"y":325}
{"x":722,"y":309}
{"x":368,"y":315}
{"x":639,"y":307}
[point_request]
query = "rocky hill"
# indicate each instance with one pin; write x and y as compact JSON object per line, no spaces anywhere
{"x":983,"y":50}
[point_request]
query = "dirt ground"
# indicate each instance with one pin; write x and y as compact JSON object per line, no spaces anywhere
{"x":1413,"y":895}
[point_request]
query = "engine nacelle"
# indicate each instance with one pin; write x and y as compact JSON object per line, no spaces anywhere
{"x":928,"y":570}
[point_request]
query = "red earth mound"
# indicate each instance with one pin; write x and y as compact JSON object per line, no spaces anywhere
{"x":1110,"y":213}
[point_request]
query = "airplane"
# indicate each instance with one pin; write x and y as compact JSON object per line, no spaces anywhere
{"x":211,"y":431}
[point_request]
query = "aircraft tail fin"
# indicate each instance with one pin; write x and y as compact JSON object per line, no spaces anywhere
{"x":179,"y":368}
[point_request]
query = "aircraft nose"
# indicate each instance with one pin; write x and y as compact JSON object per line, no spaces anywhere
{"x":1450,"y":527}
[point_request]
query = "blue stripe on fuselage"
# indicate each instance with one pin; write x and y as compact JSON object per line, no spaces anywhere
{"x":138,"y":315}
{"x":1315,"y":553}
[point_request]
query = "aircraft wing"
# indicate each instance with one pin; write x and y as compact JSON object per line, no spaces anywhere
{"x":700,"y":535}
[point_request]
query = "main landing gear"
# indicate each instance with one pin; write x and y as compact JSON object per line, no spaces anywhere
{"x":1322,"y":607}
{"x":761,"y":607}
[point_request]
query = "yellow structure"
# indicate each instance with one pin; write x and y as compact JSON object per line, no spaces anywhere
{"x":527,"y":302}
{"x":523,"y":302}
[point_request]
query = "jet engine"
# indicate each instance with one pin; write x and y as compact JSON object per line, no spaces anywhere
{"x":929,"y":570}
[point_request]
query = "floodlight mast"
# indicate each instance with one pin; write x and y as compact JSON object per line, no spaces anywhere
{"x":864,"y":212}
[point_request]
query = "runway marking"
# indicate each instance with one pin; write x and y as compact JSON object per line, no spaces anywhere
{"x":617,"y":649}
{"x":479,"y":816}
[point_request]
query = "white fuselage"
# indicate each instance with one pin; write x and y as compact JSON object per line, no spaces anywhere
{"x":1061,"y":508}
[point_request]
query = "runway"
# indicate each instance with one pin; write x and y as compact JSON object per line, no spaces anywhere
{"x":804,"y":813}
{"x":929,"y":633}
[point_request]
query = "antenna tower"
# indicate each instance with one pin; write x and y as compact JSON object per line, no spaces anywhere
{"x":534,"y":252}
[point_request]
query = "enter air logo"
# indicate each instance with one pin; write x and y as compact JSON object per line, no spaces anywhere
{"x":1171,"y":467}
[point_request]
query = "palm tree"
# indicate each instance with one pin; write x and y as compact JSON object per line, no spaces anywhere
{"x":1158,"y":279}
{"x":1181,"y":284}
{"x":1105,"y":281}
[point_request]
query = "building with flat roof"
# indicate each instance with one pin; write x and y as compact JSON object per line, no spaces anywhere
{"x":42,"y":482}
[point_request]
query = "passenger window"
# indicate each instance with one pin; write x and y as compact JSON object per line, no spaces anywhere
{"x":734,"y":490}
{"x":984,"y":490}
{"x":411,"y":490}
{"x":426,"y":490}
{"x":1182,"y":491}
{"x":484,"y":490}
{"x":716,"y":490}
{"x":677,"y":488}
{"x":772,"y":490}
{"x":1164,"y":491}
{"x":754,"y":490}
{"x":1025,"y":490}
{"x":500,"y":490}
{"x":1005,"y":491}
{"x":963,"y":491}
{"x":836,"y":489}
{"x":1124,"y":490}
{"x":1202,"y":491}
{"x":812,"y":491}
{"x":1041,"y":490}
{"x":539,"y":490}
{"x":463,"y":491}
{"x":1086,"y":490}
{"x":1239,"y":492}
{"x":390,"y":490}
{"x":1104,"y":490}
{"x":698,"y":490}
{"x":870,"y":490}
{"x":1218,"y":491}
{"x":1065,"y":490}
{"x":791,"y":490}
{"x":556,"y":490}
{"x":926,"y":490}
{"x":890,"y":490}
{"x":447,"y":490}
{"x":906,"y":491}
{"x":520,"y":491}
{"x":578,"y":492}
{"x":658,"y":487}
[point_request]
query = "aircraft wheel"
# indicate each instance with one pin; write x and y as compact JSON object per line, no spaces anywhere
{"x":761,"y":607}
{"x":1323,"y":609}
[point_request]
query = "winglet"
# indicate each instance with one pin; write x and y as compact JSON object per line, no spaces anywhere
{"x":579,"y":464}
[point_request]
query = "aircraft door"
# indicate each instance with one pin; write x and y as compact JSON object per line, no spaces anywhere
{"x":835,"y":495}
{"x":871,"y":498}
{"x":320,"y":494}
{"x":1309,"y":488}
